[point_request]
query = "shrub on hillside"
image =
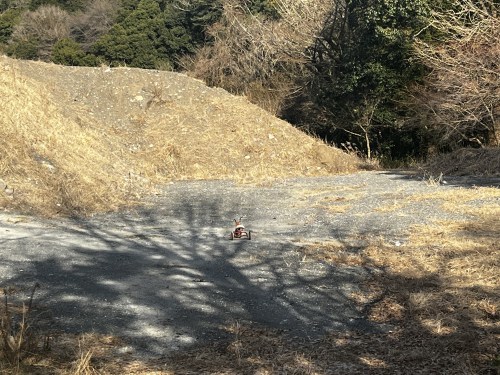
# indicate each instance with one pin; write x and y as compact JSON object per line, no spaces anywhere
{"x":94,"y":21}
{"x":459,"y":102}
{"x":41,"y":28}
{"x":8,"y":20}
{"x":146,"y":38}
{"x":27,"y":50}
{"x":68,"y":52}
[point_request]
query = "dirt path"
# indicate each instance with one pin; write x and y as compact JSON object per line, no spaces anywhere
{"x":166,"y":276}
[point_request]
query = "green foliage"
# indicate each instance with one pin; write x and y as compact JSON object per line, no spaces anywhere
{"x":132,"y":41}
{"x":152,"y":34}
{"x":127,"y":7}
{"x":7,"y":21}
{"x":264,"y":7}
{"x":4,"y":5}
{"x":27,"y":50}
{"x":197,"y":17}
{"x":146,"y":34}
{"x":361,"y":65}
{"x":68,"y":52}
{"x":13,"y":4}
{"x":376,"y":62}
{"x":120,"y":48}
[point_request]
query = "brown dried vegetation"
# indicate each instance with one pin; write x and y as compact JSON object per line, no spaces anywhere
{"x":260,"y":58}
{"x":439,"y":291}
{"x":460,"y":99}
{"x":76,"y":141}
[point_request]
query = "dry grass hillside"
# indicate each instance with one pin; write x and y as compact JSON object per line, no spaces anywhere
{"x":80,"y":140}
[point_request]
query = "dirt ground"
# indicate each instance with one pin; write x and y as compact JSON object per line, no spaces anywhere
{"x":165,"y":278}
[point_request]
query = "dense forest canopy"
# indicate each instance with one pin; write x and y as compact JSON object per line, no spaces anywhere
{"x":386,"y":78}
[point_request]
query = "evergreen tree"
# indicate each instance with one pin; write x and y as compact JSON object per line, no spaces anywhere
{"x":153,"y":34}
{"x":133,"y":41}
{"x":68,"y":52}
{"x":8,"y":19}
{"x":198,"y":17}
{"x":361,"y":64}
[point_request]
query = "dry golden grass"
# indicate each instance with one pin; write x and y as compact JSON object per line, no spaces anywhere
{"x":333,"y":252}
{"x":85,"y":140}
{"x":53,"y":164}
{"x":334,"y":199}
{"x":230,"y":139}
{"x":442,"y":287}
{"x":466,"y":162}
{"x":462,"y":195}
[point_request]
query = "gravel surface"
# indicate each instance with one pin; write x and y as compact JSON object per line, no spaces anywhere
{"x":166,"y":276}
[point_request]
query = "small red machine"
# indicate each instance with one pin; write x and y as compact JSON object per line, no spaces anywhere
{"x":240,"y":231}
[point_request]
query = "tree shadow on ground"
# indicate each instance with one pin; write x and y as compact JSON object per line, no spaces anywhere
{"x":434,"y":329}
{"x":167,"y":277}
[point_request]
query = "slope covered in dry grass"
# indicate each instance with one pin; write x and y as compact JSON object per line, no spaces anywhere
{"x":83,"y":140}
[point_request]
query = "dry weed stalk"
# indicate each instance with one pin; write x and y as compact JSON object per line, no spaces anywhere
{"x":431,"y":180}
{"x":156,"y":92}
{"x":16,"y":331}
{"x":236,"y":345}
{"x":83,"y":365}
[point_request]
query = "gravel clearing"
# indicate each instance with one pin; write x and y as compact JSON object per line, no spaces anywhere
{"x":166,"y":276}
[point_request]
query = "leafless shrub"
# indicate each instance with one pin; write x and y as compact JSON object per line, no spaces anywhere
{"x":259,"y":57}
{"x":466,"y":162}
{"x":460,"y":99}
{"x":47,"y":24}
{"x":97,"y":19}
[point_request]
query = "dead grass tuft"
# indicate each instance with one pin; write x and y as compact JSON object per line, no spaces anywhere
{"x":335,"y":253}
{"x":335,"y":199}
{"x":467,"y":162}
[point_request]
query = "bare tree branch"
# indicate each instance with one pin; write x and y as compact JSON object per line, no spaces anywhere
{"x":259,"y":57}
{"x":47,"y":25}
{"x":461,"y":96}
